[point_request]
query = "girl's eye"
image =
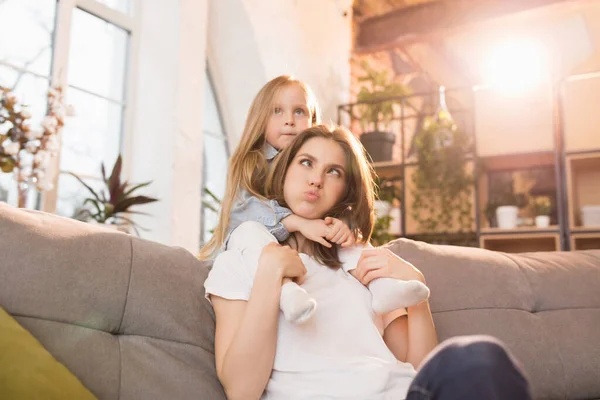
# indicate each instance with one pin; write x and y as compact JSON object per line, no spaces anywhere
{"x":306,"y":162}
{"x":300,"y":111}
{"x":277,"y":110}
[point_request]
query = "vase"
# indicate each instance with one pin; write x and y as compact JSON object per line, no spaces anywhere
{"x":542,"y":221}
{"x":507,"y":217}
{"x":24,"y":197}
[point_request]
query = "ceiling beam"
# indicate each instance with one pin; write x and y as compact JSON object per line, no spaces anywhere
{"x":424,"y":21}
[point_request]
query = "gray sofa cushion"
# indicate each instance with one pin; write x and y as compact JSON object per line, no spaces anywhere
{"x":544,"y":306}
{"x":127,"y":316}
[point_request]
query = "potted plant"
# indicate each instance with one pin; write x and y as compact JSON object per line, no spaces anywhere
{"x":507,"y":213}
{"x":542,"y":207}
{"x":443,"y":186}
{"x":375,"y":113}
{"x":26,"y":150}
{"x":112,"y":205}
{"x":386,"y":193}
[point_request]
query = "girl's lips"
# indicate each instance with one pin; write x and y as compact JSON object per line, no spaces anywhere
{"x":311,"y":196}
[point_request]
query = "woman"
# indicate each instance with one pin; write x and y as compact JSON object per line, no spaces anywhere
{"x":345,"y":351}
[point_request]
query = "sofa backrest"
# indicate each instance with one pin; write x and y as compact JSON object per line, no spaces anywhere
{"x":127,"y":316}
{"x":544,"y":306}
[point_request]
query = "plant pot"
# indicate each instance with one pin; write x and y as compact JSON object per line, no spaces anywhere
{"x":382,"y":208}
{"x":379,"y":145}
{"x":542,"y":221}
{"x":507,"y":217}
{"x":590,"y":215}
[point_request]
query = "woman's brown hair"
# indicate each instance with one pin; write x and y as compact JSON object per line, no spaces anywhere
{"x":356,"y":206}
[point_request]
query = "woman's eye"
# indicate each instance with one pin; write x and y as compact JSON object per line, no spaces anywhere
{"x":306,"y":162}
{"x":336,"y":172}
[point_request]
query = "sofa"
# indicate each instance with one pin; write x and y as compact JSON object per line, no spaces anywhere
{"x":128,"y":316}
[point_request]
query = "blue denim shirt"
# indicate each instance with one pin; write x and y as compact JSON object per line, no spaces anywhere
{"x":267,"y":212}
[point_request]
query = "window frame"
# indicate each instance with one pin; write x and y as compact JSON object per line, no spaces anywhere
{"x":211,"y":84}
{"x":59,"y":72}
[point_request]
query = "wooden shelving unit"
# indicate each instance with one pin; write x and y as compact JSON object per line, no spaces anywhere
{"x":552,"y":134}
{"x":520,"y":230}
{"x":585,"y":241}
{"x":521,"y":242}
{"x":583,"y":186}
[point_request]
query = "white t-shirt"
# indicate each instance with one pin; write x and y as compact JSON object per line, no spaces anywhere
{"x":337,"y":354}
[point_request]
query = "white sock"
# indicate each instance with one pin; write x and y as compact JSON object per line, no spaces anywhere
{"x":391,"y":294}
{"x":296,"y":304}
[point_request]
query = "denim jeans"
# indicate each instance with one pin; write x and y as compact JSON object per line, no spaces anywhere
{"x":470,"y":367}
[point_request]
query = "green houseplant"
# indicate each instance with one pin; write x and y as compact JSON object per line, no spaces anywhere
{"x":375,"y":113}
{"x":386,"y":193}
{"x":112,"y":205}
{"x":443,"y":186}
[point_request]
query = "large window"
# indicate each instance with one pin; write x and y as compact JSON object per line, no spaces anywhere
{"x":85,"y":45}
{"x":216,"y":156}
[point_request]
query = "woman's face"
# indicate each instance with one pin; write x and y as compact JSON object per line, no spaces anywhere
{"x":316,"y":179}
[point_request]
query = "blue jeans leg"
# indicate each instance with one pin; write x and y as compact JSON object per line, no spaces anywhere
{"x":468,"y":368}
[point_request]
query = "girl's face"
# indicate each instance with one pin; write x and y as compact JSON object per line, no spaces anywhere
{"x":316,"y":179}
{"x":290,"y":115}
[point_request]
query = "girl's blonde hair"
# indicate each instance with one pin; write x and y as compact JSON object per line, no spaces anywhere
{"x":356,"y":206}
{"x":248,"y":167}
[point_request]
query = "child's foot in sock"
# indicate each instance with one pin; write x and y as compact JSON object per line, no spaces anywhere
{"x":296,"y":304}
{"x":391,"y":294}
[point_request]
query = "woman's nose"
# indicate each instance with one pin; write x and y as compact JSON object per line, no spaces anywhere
{"x":316,"y":181}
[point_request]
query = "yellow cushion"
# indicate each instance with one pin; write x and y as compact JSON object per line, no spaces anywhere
{"x":28,"y":371}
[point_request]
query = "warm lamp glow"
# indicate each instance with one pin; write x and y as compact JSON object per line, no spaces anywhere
{"x":515,"y":66}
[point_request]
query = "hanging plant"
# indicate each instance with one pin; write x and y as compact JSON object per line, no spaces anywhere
{"x":443,"y":187}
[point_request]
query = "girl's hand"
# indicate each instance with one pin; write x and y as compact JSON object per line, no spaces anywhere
{"x":340,"y":232}
{"x":382,"y":263}
{"x":316,"y":230}
{"x":285,"y":259}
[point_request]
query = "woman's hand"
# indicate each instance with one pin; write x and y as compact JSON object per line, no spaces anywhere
{"x":340,"y":233}
{"x":286,"y":261}
{"x":382,"y":263}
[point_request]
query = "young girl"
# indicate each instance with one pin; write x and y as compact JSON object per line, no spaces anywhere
{"x":340,"y":353}
{"x":283,"y":108}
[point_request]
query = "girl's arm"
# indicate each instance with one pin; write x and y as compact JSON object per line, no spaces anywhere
{"x":266,"y":212}
{"x":281,"y":222}
{"x":246,"y":331}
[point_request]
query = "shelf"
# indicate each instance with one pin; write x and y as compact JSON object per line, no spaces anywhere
{"x":388,"y":169}
{"x":585,"y":229}
{"x":387,"y":164}
{"x":585,"y":241}
{"x":519,"y":230}
{"x":583,"y":186}
{"x":518,"y":161}
{"x":521,"y":242}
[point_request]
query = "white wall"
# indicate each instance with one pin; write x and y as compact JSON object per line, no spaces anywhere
{"x":252,"y":41}
{"x":247,"y":42}
{"x":166,"y":145}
